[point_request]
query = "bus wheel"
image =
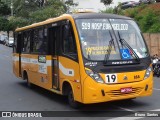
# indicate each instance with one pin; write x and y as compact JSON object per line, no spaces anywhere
{"x":72,"y":102}
{"x":29,"y":84}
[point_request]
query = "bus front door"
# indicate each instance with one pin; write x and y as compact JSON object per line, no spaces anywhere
{"x":54,"y":35}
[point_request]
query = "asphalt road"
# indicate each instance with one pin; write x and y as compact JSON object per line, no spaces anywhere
{"x":16,"y":96}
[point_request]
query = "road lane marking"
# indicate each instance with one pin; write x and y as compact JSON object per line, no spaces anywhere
{"x":126,"y":109}
{"x":129,"y":117}
{"x":156,"y":89}
{"x":155,"y":110}
{"x":6,"y":56}
{"x":126,"y":118}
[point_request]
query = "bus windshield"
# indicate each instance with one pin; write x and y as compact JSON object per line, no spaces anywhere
{"x":101,"y":39}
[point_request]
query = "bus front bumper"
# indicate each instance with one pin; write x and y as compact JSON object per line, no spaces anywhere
{"x":96,"y":92}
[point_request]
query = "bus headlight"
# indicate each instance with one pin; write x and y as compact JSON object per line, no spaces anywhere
{"x":95,"y":76}
{"x":148,"y":72}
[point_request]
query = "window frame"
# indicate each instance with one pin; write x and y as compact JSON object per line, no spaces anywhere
{"x":71,"y":56}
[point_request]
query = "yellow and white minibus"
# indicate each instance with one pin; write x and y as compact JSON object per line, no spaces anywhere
{"x":89,"y":57}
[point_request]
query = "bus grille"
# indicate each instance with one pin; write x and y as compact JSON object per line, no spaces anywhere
{"x":117,"y":93}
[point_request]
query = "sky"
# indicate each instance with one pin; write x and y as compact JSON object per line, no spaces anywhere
{"x":96,"y":5}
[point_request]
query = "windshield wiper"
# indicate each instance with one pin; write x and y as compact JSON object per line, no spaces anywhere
{"x":124,"y":43}
{"x":89,"y":57}
{"x":111,"y":43}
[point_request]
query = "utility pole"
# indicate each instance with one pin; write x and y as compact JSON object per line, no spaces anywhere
{"x":11,"y":7}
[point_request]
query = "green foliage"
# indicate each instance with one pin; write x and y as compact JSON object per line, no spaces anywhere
{"x":30,"y":11}
{"x":16,"y":22}
{"x":3,"y":23}
{"x":68,"y":4}
{"x":111,"y":10}
{"x":150,"y":22}
{"x":108,"y":10}
{"x":27,"y":12}
{"x":147,"y":18}
{"x":155,"y":28}
{"x":132,"y":12}
{"x":4,"y":9}
{"x":48,"y":12}
{"x":23,"y":9}
{"x":55,"y":9}
{"x":106,"y":2}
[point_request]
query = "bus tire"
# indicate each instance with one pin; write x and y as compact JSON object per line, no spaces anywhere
{"x":74,"y":104}
{"x":29,"y":84}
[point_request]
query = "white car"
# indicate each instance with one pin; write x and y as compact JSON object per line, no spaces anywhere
{"x":10,"y":42}
{"x":3,"y":39}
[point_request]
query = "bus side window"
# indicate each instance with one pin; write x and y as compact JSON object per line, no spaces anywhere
{"x":35,"y":41}
{"x":40,"y":41}
{"x":26,"y":42}
{"x":68,"y":41}
{"x":45,"y":41}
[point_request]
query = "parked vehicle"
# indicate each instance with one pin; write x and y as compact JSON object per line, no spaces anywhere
{"x":156,"y":65}
{"x":9,"y":42}
{"x":156,"y":69}
{"x":129,"y":4}
{"x":3,"y":38}
{"x":146,"y":1}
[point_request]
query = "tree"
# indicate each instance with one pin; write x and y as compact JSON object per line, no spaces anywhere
{"x":18,"y":22}
{"x":22,"y":8}
{"x":52,"y":9}
{"x":106,"y":2}
{"x":38,"y":3}
{"x":4,"y":9}
{"x":70,"y":3}
{"x":30,"y":11}
{"x":5,"y":25}
{"x":2,"y":23}
{"x":108,"y":10}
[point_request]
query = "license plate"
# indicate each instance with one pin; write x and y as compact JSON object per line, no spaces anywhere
{"x":126,"y":90}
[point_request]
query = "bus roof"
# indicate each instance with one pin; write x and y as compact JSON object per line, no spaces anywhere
{"x":74,"y":16}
